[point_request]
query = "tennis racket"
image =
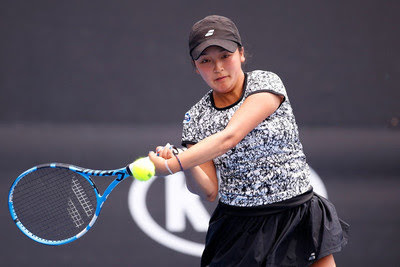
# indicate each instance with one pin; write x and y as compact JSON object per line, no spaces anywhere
{"x":55,"y":204}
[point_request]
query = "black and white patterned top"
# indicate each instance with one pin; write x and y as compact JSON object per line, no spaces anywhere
{"x":266,"y":166}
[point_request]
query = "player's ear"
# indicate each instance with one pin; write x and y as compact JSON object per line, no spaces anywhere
{"x":242,"y":57}
{"x":194,"y":67}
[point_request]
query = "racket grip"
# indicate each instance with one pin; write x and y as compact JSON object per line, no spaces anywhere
{"x":177,"y":150}
{"x":128,"y":170}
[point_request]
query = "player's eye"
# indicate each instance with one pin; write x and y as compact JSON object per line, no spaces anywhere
{"x":204,"y":60}
{"x":226,"y":55}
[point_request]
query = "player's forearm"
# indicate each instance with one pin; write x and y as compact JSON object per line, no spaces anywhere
{"x":199,"y":183}
{"x":204,"y":151}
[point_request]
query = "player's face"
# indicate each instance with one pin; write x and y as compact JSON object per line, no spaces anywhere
{"x":221,"y":69}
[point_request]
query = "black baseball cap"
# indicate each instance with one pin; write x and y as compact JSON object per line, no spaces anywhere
{"x":213,"y":30}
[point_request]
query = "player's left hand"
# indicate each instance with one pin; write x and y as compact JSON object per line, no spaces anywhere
{"x":165,"y":151}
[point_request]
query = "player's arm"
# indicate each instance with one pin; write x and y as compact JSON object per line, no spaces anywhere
{"x":202,"y":180}
{"x":251,"y":113}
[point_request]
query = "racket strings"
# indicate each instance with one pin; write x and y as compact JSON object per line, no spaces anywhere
{"x":54,"y":203}
{"x":81,"y":196}
{"x":34,"y":190}
{"x":31,"y":189}
{"x":50,"y":215}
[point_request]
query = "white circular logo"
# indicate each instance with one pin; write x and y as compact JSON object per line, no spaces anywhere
{"x":181,"y":207}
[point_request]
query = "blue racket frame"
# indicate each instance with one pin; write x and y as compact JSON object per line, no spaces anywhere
{"x":121,"y":174}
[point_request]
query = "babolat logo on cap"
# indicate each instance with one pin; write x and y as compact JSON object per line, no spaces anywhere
{"x":187,"y":118}
{"x":209,"y":33}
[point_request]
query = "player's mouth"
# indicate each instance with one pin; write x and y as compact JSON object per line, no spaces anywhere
{"x":221,"y":78}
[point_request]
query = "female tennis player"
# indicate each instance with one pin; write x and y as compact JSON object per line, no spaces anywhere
{"x":244,"y":128}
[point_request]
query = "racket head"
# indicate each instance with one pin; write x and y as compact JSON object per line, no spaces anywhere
{"x":54,"y":204}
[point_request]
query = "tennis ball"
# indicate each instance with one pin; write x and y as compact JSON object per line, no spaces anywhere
{"x":142,"y":169}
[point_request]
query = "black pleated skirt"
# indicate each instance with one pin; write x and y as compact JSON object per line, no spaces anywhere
{"x":295,"y":232}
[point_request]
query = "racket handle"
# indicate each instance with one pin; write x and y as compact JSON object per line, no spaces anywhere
{"x":128,"y":170}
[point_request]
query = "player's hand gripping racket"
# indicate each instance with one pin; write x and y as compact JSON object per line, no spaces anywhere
{"x":56,"y":203}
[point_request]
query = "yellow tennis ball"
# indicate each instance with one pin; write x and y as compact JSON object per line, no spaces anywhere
{"x":142,"y":169}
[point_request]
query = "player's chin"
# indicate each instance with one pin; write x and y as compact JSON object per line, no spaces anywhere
{"x":222,"y":89}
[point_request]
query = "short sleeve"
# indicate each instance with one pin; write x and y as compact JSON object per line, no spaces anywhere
{"x":189,"y":135}
{"x":266,"y":81}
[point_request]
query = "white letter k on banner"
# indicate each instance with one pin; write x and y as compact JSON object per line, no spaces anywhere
{"x":181,"y":204}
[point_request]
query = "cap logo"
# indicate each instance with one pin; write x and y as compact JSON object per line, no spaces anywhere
{"x":209,"y":33}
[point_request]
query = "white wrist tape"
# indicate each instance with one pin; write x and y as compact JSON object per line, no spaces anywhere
{"x":166,"y":166}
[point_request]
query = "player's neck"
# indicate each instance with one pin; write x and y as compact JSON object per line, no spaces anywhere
{"x":222,"y":100}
